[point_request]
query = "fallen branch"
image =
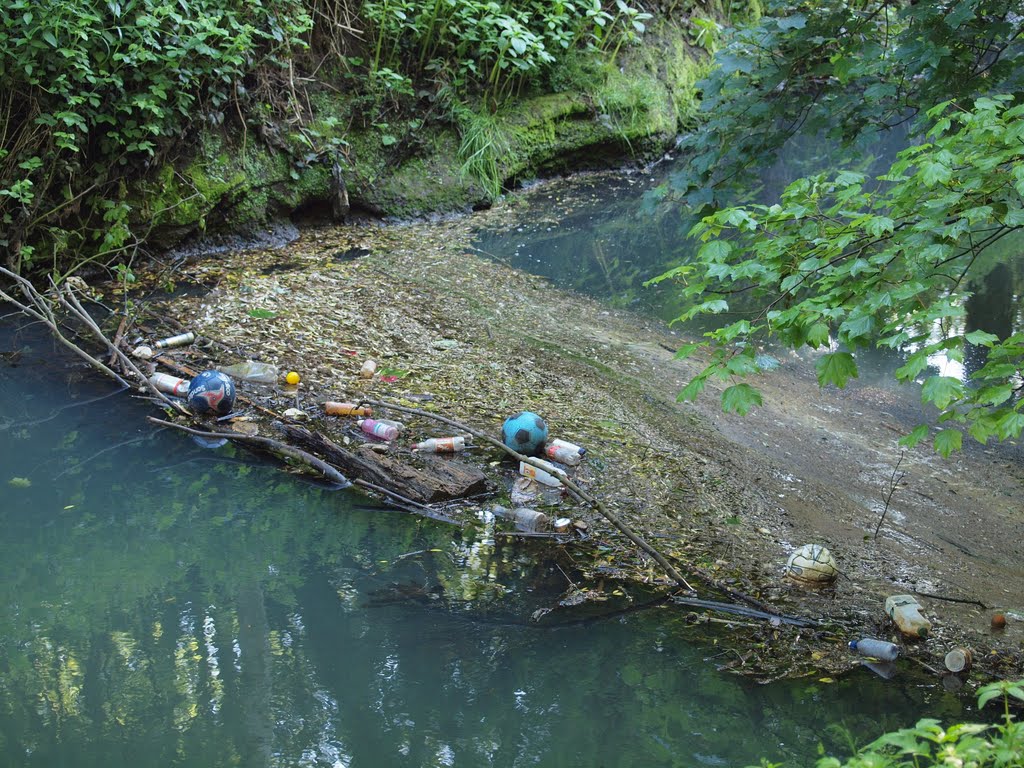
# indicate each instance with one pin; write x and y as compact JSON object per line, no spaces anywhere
{"x":740,"y":610}
{"x":952,"y":599}
{"x":274,"y":446}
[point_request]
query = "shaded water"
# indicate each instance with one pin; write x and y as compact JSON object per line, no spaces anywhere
{"x":169,"y":605}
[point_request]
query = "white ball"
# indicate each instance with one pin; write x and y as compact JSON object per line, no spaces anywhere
{"x":812,"y":564}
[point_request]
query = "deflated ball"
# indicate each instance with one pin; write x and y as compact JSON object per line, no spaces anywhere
{"x":211,"y":392}
{"x":525,"y":432}
{"x":812,"y":564}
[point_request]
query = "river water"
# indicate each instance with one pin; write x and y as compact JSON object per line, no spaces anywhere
{"x":165,"y":604}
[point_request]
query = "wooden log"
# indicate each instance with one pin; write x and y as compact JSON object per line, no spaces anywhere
{"x":438,"y":480}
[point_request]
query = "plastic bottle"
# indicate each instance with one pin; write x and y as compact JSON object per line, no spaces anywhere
{"x":347,"y":409}
{"x":525,"y":519}
{"x":251,"y":371}
{"x":876,"y":649}
{"x":377,"y":429}
{"x":172,"y":385}
{"x":442,"y":445}
{"x":176,"y":341}
{"x":541,"y":474}
{"x":906,"y":612}
{"x":369,"y":368}
{"x":565,"y":452}
{"x":396,"y":424}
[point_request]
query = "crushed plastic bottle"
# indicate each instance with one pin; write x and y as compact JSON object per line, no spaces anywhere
{"x":347,"y":409}
{"x":172,"y":385}
{"x":905,"y":611}
{"x":525,"y":518}
{"x":377,"y":429}
{"x":876,"y":649}
{"x":369,"y":368}
{"x":252,"y":371}
{"x":441,"y":445}
{"x":543,"y":474}
{"x":565,"y":452}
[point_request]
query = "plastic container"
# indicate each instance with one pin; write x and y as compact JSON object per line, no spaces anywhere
{"x":377,"y":429}
{"x":143,"y":352}
{"x":525,"y":519}
{"x":567,"y":453}
{"x":959,"y":660}
{"x":252,"y":371}
{"x":369,"y":368}
{"x":347,"y":409}
{"x":876,"y":649}
{"x":442,"y":445}
{"x":905,"y":611}
{"x":396,"y":424}
{"x":172,"y":385}
{"x":176,"y":341}
{"x":543,"y":474}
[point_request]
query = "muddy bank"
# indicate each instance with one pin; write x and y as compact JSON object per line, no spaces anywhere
{"x":731,"y":496}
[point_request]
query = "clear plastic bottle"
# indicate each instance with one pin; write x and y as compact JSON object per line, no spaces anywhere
{"x":377,"y":429}
{"x":442,"y":445}
{"x":347,"y":409}
{"x":905,"y":611}
{"x":876,"y":649}
{"x":396,"y":424}
{"x":565,"y":452}
{"x":525,"y":519}
{"x":252,"y":371}
{"x":543,"y":474}
{"x":172,"y":385}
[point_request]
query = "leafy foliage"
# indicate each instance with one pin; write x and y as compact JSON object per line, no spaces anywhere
{"x":845,"y":264}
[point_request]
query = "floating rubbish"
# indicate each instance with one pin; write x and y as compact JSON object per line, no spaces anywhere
{"x":209,"y":442}
{"x":542,"y":474}
{"x":347,"y":409}
{"x":562,"y":524}
{"x":176,"y":341}
{"x":812,"y":564}
{"x":378,"y":429}
{"x":441,"y":445}
{"x":19,"y":482}
{"x":884,"y":669}
{"x":876,"y":649}
{"x":172,"y":385}
{"x":211,"y":392}
{"x":143,"y":352}
{"x":905,"y":611}
{"x":292,"y":378}
{"x":391,"y":423}
{"x":525,"y":433}
{"x":959,"y":660}
{"x":369,"y":368}
{"x":525,"y":519}
{"x":998,"y":621}
{"x":252,"y":371}
{"x":565,"y":452}
{"x":296,"y":414}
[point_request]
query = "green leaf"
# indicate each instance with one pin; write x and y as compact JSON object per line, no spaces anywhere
{"x":692,"y":390}
{"x":982,"y":338}
{"x":818,"y":336}
{"x":947,"y":441}
{"x":919,"y":433}
{"x":941,"y":390}
{"x":685,"y":351}
{"x":262,"y":314}
{"x":740,"y":398}
{"x":836,"y":368}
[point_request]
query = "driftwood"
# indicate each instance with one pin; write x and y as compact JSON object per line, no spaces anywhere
{"x":444,"y":479}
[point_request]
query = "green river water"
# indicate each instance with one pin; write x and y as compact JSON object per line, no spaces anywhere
{"x":166,"y":604}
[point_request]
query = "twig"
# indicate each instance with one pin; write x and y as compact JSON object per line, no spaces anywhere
{"x":894,"y":483}
{"x":952,"y":599}
{"x":740,"y":610}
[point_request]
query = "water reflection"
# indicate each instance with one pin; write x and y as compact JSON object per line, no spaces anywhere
{"x":165,"y":604}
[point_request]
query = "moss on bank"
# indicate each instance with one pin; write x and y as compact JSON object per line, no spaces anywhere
{"x":412,"y":167}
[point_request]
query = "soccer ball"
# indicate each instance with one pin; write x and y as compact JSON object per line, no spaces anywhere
{"x":211,"y":392}
{"x":525,"y":433}
{"x":812,"y":564}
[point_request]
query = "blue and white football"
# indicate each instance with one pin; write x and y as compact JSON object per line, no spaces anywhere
{"x":211,"y":392}
{"x":525,"y":432}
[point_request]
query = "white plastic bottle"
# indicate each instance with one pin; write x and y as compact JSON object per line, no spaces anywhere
{"x":565,"y":452}
{"x":442,"y":445}
{"x":543,"y":474}
{"x":905,"y":611}
{"x":525,"y":518}
{"x":876,"y":649}
{"x":172,"y":385}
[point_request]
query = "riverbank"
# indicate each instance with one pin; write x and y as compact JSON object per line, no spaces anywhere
{"x":730,"y":496}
